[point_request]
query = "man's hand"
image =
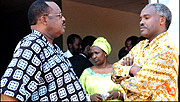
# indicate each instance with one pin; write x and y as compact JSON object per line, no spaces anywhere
{"x":134,"y":69}
{"x":7,"y":98}
{"x":127,"y":61}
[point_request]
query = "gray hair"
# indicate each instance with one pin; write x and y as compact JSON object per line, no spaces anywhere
{"x":163,"y":11}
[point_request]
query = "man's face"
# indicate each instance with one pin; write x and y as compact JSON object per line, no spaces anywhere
{"x":76,"y":46}
{"x":55,"y":22}
{"x":128,"y":45}
{"x":149,"y":22}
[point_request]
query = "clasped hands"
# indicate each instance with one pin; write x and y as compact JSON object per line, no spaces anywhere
{"x":113,"y":95}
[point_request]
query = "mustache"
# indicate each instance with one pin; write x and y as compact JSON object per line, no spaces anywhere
{"x":142,"y":26}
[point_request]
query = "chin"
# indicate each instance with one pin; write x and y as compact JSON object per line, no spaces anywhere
{"x":144,"y":34}
{"x":63,"y":31}
{"x":58,"y":34}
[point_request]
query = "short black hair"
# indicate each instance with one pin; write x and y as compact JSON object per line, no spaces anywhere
{"x":71,"y":39}
{"x":88,"y":40}
{"x":134,"y":40}
{"x":37,"y":9}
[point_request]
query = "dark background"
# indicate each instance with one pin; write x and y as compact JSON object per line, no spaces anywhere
{"x":14,"y":26}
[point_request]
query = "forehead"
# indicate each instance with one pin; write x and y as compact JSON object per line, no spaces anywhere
{"x":54,"y":6}
{"x":95,"y":48}
{"x":77,"y":40}
{"x":149,"y":10}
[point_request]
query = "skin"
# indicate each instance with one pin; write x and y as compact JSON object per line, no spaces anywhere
{"x":87,"y":51}
{"x":128,"y":45}
{"x":51,"y":27}
{"x":8,"y":98}
{"x":76,"y":47}
{"x":151,"y":25}
{"x":102,"y":66}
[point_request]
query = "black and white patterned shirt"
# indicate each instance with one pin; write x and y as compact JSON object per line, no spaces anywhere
{"x":38,"y":71}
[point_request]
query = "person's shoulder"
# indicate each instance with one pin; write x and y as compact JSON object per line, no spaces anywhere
{"x":34,"y":39}
{"x":167,"y":45}
{"x":68,"y":54}
{"x":31,"y":43}
{"x":77,"y":57}
{"x":87,"y":71}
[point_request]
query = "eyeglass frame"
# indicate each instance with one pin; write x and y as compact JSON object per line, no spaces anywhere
{"x":60,"y":14}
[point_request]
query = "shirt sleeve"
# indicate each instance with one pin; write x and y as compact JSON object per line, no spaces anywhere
{"x":120,"y":72}
{"x":24,"y":66}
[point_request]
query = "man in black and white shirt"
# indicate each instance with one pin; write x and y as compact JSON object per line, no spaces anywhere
{"x":38,"y":70}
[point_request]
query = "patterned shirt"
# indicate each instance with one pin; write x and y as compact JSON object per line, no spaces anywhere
{"x":38,"y":71}
{"x":68,"y":54}
{"x":158,"y":78}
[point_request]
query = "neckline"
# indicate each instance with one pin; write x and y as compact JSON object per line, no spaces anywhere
{"x":54,"y":46}
{"x":97,"y":74}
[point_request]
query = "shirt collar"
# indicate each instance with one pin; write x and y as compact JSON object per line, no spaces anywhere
{"x":82,"y":54}
{"x":158,"y":39}
{"x":37,"y":33}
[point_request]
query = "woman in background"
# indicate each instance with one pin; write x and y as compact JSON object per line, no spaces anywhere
{"x":96,"y":80}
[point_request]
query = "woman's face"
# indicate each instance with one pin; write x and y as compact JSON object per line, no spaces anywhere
{"x":98,"y":55}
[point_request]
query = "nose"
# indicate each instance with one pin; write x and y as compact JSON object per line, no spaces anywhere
{"x":141,"y":22}
{"x":63,"y":18}
{"x":93,"y":56}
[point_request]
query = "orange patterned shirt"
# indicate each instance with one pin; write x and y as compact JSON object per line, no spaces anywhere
{"x":158,"y":78}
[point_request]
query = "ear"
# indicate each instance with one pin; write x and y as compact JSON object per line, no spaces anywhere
{"x":162,"y":21}
{"x":87,"y":47}
{"x":70,"y":46}
{"x":105,"y":55}
{"x":43,"y":19}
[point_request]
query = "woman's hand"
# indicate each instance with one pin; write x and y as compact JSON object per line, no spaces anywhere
{"x":113,"y":95}
{"x":96,"y":97}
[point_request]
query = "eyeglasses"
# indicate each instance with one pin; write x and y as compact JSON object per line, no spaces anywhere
{"x":60,"y":15}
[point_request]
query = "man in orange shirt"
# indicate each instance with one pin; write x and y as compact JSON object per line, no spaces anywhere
{"x":154,"y":62}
